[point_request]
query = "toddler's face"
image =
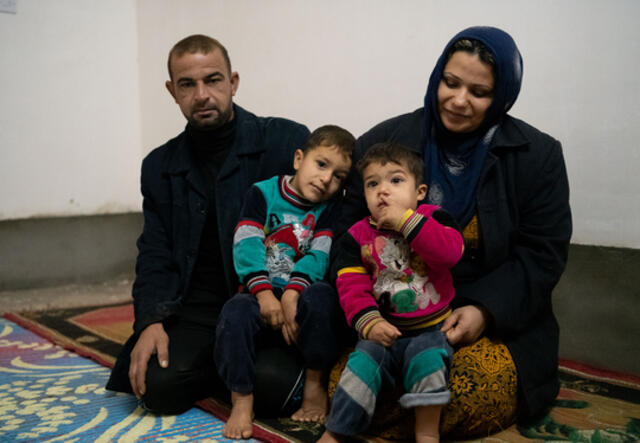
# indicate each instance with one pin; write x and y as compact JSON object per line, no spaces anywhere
{"x":320,"y":172}
{"x":390,"y":185}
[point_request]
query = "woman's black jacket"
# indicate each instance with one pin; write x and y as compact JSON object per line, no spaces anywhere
{"x":525,"y":225}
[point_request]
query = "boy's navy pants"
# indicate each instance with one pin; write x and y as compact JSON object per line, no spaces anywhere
{"x":241,"y":330}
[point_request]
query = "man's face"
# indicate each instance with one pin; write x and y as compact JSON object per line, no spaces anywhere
{"x":203,"y":87}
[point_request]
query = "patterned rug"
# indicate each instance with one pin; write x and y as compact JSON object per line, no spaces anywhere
{"x":50,"y":394}
{"x":593,"y":405}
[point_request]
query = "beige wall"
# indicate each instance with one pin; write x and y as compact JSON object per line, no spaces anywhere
{"x":357,"y":62}
{"x":70,"y":106}
{"x":83,"y":87}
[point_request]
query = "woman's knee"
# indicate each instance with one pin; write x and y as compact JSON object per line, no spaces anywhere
{"x":484,"y":399}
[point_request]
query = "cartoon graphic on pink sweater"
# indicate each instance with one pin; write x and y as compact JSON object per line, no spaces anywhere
{"x":401,"y":276}
{"x":401,"y":279}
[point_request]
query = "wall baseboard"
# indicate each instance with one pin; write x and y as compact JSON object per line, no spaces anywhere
{"x":42,"y":252}
{"x":597,"y":301}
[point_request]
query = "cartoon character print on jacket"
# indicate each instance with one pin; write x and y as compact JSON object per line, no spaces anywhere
{"x":401,"y":282}
{"x":286,"y":244}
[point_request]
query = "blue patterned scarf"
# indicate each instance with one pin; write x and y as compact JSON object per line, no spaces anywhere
{"x":453,"y":162}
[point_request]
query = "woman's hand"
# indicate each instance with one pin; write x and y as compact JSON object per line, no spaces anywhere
{"x":466,"y":324}
{"x":384,"y":333}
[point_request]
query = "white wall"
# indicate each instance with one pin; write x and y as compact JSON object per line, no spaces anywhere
{"x":69,"y":114}
{"x":357,"y":62}
{"x":72,"y":129}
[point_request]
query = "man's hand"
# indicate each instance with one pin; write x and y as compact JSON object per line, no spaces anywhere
{"x":270,"y":309}
{"x":289,"y":302}
{"x":466,"y":324}
{"x":384,"y":333}
{"x":152,"y":340}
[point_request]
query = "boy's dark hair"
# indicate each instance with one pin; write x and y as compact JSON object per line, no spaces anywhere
{"x":389,"y":152}
{"x":331,"y":135}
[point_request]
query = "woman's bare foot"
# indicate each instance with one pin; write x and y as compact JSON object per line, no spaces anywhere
{"x":240,"y":423}
{"x":315,"y":399}
{"x":329,"y":437}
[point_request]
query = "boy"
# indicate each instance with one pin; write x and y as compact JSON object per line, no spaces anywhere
{"x":395,"y":288}
{"x":281,"y":253}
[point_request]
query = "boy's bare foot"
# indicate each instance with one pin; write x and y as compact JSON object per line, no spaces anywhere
{"x":329,"y":437}
{"x":315,"y":400}
{"x":240,"y":423}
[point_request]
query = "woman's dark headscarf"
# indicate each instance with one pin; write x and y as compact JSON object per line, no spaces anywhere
{"x":454,"y":161}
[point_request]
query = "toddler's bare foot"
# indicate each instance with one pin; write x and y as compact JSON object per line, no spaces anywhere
{"x":329,"y":437}
{"x":427,"y":438}
{"x":315,"y":399}
{"x":240,"y":421}
{"x":427,"y":422}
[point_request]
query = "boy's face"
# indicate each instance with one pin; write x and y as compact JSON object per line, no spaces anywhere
{"x":320,"y":172}
{"x":390,"y":187}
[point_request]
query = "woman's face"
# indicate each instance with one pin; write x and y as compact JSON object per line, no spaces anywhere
{"x":465,"y":92}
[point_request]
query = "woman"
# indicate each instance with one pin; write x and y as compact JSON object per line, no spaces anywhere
{"x":506,"y":184}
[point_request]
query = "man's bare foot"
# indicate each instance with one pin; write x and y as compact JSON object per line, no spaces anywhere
{"x":240,"y":423}
{"x":315,"y":400}
{"x":329,"y":437}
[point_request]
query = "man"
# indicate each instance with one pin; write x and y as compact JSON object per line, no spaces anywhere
{"x":192,"y":191}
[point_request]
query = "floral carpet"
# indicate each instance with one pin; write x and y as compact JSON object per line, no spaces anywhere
{"x":50,"y":394}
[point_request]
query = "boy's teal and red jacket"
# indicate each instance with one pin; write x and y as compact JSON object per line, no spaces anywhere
{"x":281,"y":240}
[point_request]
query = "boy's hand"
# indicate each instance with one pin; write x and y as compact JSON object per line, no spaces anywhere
{"x":270,"y":308}
{"x":390,"y":216}
{"x":384,"y":333}
{"x":289,"y":302}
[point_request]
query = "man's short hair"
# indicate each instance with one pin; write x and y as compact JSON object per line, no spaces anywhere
{"x":197,"y":43}
{"x":390,"y":152}
{"x":331,"y":135}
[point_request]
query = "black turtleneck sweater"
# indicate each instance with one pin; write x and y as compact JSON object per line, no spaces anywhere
{"x":209,"y":148}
